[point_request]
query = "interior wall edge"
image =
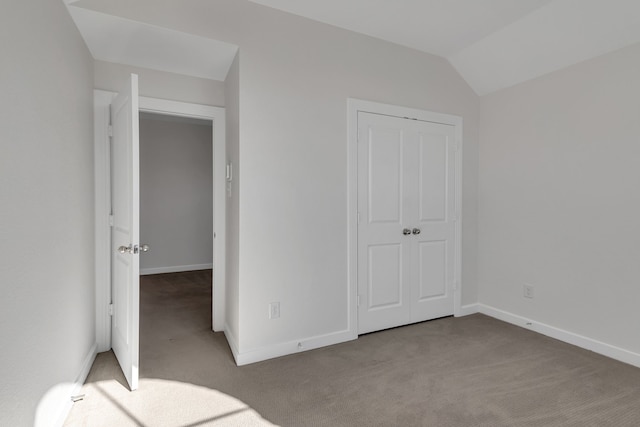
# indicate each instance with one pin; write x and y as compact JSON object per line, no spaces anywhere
{"x":468,"y":309}
{"x":230,"y":335}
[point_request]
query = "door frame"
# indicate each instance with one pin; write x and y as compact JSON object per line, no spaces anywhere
{"x":102,"y":185}
{"x":355,"y":106}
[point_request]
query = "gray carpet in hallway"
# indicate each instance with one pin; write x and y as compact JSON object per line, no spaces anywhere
{"x":470,"y":371}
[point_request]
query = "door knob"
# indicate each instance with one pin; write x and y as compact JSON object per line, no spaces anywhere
{"x":133,"y":249}
{"x":416,"y":231}
{"x":125,"y":249}
{"x":406,"y":231}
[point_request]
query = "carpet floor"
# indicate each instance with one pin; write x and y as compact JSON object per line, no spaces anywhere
{"x":469,"y":371}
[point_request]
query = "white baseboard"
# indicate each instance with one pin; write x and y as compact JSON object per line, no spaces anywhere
{"x":54,"y":407}
{"x":233,"y":343}
{"x":291,"y":347}
{"x":468,"y":309}
{"x":175,"y":269}
{"x":587,"y":343}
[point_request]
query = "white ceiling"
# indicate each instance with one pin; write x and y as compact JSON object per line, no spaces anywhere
{"x":558,"y":35}
{"x":493,"y":44}
{"x":122,"y":41}
{"x":440,"y":27}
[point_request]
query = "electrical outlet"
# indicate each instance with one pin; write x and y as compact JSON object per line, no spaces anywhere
{"x":528,"y":291}
{"x":274,"y":310}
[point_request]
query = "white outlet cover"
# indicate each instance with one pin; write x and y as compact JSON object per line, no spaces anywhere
{"x":274,"y":310}
{"x":528,"y":291}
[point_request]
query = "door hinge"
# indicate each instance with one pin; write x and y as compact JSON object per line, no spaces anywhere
{"x":110,"y":131}
{"x":358,"y":217}
{"x":110,"y":309}
{"x":110,"y":220}
{"x":358,"y":300}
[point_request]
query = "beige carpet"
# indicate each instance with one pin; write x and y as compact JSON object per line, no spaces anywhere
{"x":470,"y":371}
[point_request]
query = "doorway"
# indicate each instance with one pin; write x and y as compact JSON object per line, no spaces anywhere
{"x":176,"y":193}
{"x":176,"y":224}
{"x":216,"y":116}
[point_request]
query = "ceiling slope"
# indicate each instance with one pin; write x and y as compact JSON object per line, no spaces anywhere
{"x":440,"y":27}
{"x":493,"y":44}
{"x":556,"y":36}
{"x":123,"y":41}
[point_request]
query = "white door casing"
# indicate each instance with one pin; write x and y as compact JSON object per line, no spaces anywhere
{"x":125,"y":266}
{"x":406,"y":233}
{"x":103,"y":172}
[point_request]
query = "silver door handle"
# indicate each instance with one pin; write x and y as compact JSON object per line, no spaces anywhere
{"x":125,"y":249}
{"x":133,"y":249}
{"x":416,"y":231}
{"x":406,"y":231}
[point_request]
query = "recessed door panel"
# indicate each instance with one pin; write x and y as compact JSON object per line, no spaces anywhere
{"x":385,"y":173}
{"x":432,"y":278}
{"x":385,"y":276}
{"x":433,"y":177}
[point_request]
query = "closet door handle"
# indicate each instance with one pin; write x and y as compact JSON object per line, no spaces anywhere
{"x":406,"y":231}
{"x":416,"y":231}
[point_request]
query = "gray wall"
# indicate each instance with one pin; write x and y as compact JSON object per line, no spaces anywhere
{"x":176,"y":194}
{"x":47,"y":324}
{"x":559,"y":204}
{"x":295,"y":80}
{"x":295,"y":77}
{"x":160,"y":84}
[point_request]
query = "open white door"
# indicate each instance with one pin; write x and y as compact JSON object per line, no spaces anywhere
{"x":125,"y":234}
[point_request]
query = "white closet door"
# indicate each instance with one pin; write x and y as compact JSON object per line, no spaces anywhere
{"x":406,"y":231}
{"x":383,"y":251}
{"x":433,"y":249}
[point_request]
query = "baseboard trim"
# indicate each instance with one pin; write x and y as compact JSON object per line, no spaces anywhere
{"x":581,"y":341}
{"x":231,"y":340}
{"x":468,"y":309}
{"x":175,"y":269}
{"x":55,"y":406}
{"x":292,"y":347}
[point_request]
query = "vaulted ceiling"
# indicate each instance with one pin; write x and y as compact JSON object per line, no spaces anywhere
{"x":493,"y":44}
{"x":123,"y":41}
